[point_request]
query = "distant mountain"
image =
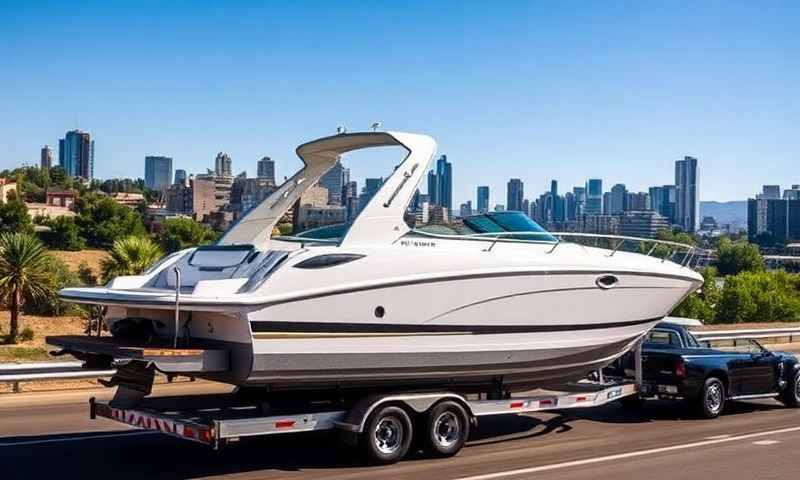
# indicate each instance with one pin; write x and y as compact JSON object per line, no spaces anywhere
{"x":734,"y":213}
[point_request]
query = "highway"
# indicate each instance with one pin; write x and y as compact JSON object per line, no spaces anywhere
{"x":50,"y":436}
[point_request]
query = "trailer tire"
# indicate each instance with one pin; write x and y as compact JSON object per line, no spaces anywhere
{"x":446,"y":429}
{"x":712,"y":398}
{"x":791,"y":394}
{"x":387,"y":435}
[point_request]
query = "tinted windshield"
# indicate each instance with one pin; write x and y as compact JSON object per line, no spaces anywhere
{"x":498,"y":222}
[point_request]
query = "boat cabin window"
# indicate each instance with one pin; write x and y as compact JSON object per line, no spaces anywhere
{"x":505,"y":223}
{"x":220,"y":257}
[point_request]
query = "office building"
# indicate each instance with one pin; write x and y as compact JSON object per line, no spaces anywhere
{"x":466,"y":209}
{"x":515,"y":195}
{"x":157,"y":172}
{"x":180,"y":176}
{"x":594,"y":196}
{"x":616,"y":200}
{"x":778,"y":218}
{"x":223,"y":166}
{"x":266,"y":169}
{"x":46,"y":160}
{"x":76,"y":154}
{"x":440,"y":184}
{"x":642,"y":223}
{"x":687,"y":204}
{"x":771,"y":192}
{"x":483,"y":199}
{"x":637,"y":201}
{"x":195,"y":198}
{"x":334,"y":181}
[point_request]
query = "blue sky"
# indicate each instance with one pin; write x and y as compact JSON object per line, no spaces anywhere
{"x":535,"y":90}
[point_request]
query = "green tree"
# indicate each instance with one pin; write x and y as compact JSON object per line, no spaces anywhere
{"x":59,"y":276}
{"x":736,"y":257}
{"x":761,"y":296}
{"x":179,"y":233}
{"x":57,"y":175}
{"x":23,"y":274}
{"x":14,"y":217}
{"x":64,"y":234}
{"x":130,"y":256}
{"x":102,"y":220}
{"x":701,"y":305}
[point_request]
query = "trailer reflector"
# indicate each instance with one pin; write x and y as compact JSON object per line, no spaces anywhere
{"x":284,"y":424}
{"x":517,"y":404}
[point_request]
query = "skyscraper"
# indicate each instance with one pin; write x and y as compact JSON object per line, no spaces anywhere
{"x":515,"y":195}
{"x":580,"y":202}
{"x":266,"y":169}
{"x":333,"y":180}
{"x":180,"y":176}
{"x":687,"y":204}
{"x":771,"y":192}
{"x":157,"y":172}
{"x":444,"y":178}
{"x":483,"y":199}
{"x":76,"y":154}
{"x":594,"y":196}
{"x":433,"y":188}
{"x":637,"y":201}
{"x":47,"y":157}
{"x":617,"y":198}
{"x":223,"y":166}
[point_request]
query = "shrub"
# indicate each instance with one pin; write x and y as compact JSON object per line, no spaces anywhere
{"x":180,"y":233}
{"x":86,"y":274}
{"x":58,"y":276}
{"x":736,"y":257}
{"x":26,"y":335}
{"x":764,"y":296}
{"x":64,"y":234}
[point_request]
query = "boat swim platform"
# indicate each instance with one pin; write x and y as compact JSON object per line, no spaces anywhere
{"x":165,"y":357}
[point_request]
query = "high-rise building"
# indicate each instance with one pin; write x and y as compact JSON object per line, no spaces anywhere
{"x":616,"y":199}
{"x":642,"y":224}
{"x":637,"y":201}
{"x":662,"y":200}
{"x":46,"y":160}
{"x":771,"y":192}
{"x":371,"y":187}
{"x":433,"y":188}
{"x":466,"y":209}
{"x":594,"y":196}
{"x":515,"y":195}
{"x":579,"y":201}
{"x":483,"y":199}
{"x":687,"y":204}
{"x":444,"y":178}
{"x":180,"y":176}
{"x":223,"y":166}
{"x":157,"y":172}
{"x":76,"y":154}
{"x":792,"y":193}
{"x":266,"y":169}
{"x":779,"y":218}
{"x":333,"y":180}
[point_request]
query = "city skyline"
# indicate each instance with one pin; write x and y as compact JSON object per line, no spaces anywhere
{"x":612,"y":91}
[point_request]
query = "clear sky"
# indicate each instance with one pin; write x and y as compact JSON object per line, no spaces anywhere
{"x":535,"y":90}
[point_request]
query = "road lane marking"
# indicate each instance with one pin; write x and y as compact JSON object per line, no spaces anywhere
{"x":76,"y":439}
{"x":766,"y":442}
{"x":717,"y":437}
{"x":622,"y":456}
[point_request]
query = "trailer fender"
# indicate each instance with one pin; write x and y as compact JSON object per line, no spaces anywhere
{"x":357,"y":416}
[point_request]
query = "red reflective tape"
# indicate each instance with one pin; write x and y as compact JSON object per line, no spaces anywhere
{"x":546,"y":402}
{"x":581,"y":399}
{"x":188,"y":432}
{"x":284,"y":424}
{"x":517,"y":404}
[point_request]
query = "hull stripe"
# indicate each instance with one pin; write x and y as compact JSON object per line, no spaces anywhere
{"x":267,"y":326}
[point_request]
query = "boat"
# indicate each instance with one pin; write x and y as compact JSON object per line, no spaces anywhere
{"x":496,"y":304}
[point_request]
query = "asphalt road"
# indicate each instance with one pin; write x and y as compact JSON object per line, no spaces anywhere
{"x":50,"y":436}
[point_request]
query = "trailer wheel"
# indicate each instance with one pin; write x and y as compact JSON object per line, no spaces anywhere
{"x":712,"y":399}
{"x":791,"y":394}
{"x":447,"y":429}
{"x":387,"y":435}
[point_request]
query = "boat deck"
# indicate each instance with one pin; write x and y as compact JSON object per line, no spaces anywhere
{"x":193,"y":358}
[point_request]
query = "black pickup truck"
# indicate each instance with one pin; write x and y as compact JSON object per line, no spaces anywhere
{"x":676,"y":366}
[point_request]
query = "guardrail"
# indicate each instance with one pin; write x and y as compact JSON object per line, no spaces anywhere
{"x":791,"y":333}
{"x":15,"y":373}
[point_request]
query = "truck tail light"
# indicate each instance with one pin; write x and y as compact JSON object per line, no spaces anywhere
{"x":680,"y":369}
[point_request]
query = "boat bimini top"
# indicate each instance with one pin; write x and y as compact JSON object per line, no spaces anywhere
{"x":381,"y":220}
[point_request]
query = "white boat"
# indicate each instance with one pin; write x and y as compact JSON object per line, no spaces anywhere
{"x":382,"y":303}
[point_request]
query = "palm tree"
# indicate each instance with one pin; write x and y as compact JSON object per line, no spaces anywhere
{"x":130,"y":256}
{"x":23,"y":274}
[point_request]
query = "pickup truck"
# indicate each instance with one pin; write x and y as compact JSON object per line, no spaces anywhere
{"x":676,"y":366}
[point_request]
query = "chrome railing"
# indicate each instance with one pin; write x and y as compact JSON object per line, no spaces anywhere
{"x":616,"y":242}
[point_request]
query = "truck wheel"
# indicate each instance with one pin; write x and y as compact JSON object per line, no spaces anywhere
{"x":387,"y":435}
{"x":791,"y":394}
{"x":447,"y":429}
{"x":712,"y":398}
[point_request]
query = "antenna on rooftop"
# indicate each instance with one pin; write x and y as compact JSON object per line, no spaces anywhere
{"x":375,"y":126}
